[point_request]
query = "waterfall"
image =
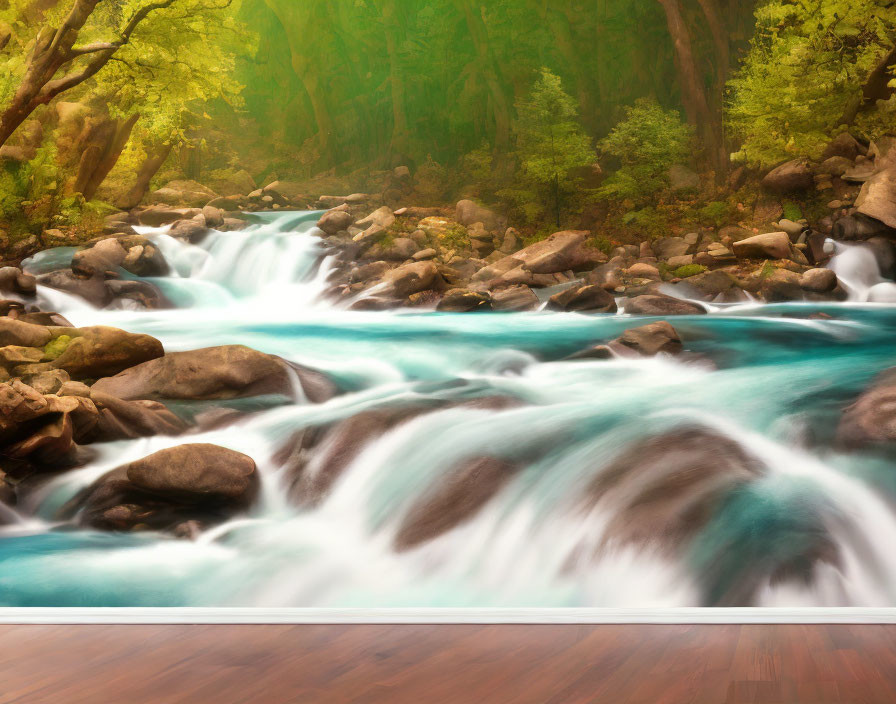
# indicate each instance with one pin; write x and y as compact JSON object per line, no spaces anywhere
{"x":857,"y":268}
{"x":499,"y":387}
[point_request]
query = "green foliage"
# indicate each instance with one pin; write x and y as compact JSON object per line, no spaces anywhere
{"x":602,"y":243}
{"x":645,"y":143}
{"x":551,"y":142}
{"x":646,"y":221}
{"x":715,"y":213}
{"x":688,"y":270}
{"x":807,"y":63}
{"x":793,"y":212}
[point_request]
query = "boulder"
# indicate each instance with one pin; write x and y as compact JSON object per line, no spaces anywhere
{"x":411,"y":278}
{"x":468,"y":213}
{"x":790,"y":177}
{"x":772,"y":245}
{"x":159,"y":216}
{"x":650,"y":340}
{"x":382,"y":217}
{"x":185,"y":193}
{"x":214,"y":373}
{"x":214,"y":217}
{"x":14,"y":332}
{"x":659,"y":305}
{"x":871,"y":420}
{"x":515,"y":298}
{"x":668,"y":247}
{"x":860,"y":227}
{"x":14,"y":280}
{"x":334,"y":221}
{"x":126,"y":420}
{"x":94,"y":352}
{"x":782,"y":285}
{"x":681,"y":179}
{"x":844,"y":146}
{"x":588,"y":298}
{"x":818,"y":281}
{"x":561,"y":252}
{"x":196,"y":473}
{"x":199,"y":485}
{"x":460,"y":300}
{"x":877,"y":198}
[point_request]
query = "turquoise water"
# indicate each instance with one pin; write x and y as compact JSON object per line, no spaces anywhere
{"x":768,"y":377}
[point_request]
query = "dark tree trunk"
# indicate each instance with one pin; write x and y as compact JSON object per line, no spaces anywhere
{"x":693,"y":92}
{"x":109,"y":153}
{"x":155,"y":159}
{"x":876,"y":87}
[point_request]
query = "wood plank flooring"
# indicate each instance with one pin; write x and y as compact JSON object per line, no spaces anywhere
{"x":448,"y":664}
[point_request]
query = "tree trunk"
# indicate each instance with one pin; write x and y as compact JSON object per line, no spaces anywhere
{"x":156,"y":157}
{"x":720,"y":41}
{"x":489,"y":69}
{"x":54,"y":49}
{"x":121,"y":133}
{"x":296,"y":19}
{"x":393,"y":30}
{"x":876,"y":87}
{"x":693,"y":92}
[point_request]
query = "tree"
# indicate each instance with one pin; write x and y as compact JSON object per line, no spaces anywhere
{"x":551,"y":142}
{"x":57,"y":50}
{"x":814,"y":69}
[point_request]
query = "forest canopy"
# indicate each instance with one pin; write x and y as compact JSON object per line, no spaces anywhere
{"x":103,"y":100}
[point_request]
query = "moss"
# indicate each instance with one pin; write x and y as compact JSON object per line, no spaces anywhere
{"x":688,"y":270}
{"x":793,"y":212}
{"x":602,"y":243}
{"x":55,"y":347}
{"x":455,"y":237}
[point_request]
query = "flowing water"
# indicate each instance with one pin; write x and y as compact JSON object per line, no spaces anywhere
{"x":767,"y":376}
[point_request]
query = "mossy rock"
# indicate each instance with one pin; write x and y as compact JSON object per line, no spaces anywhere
{"x":54,"y":348}
{"x":688,"y":270}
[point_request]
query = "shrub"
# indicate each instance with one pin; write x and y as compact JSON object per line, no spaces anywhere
{"x":715,"y":213}
{"x":646,"y":143}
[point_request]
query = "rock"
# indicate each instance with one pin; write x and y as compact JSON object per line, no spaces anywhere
{"x":468,"y":213}
{"x":643,"y":271}
{"x":659,"y":305}
{"x":94,"y":352}
{"x":189,"y":193}
{"x":158,"y":216}
{"x":818,"y":281}
{"x":383,"y":217}
{"x":13,"y":280}
{"x":793,"y":229}
{"x":125,"y":420}
{"x":836,"y":166}
{"x":514,"y":298}
{"x":844,"y":146}
{"x":425,"y":254}
{"x":677,"y":262}
{"x":871,"y":420}
{"x":561,"y":252}
{"x":681,"y":179}
{"x":773,"y":245}
{"x":877,"y":198}
{"x":668,"y":247}
{"x":817,"y":250}
{"x":860,"y":227}
{"x":411,"y":278}
{"x":214,"y":373}
{"x":650,"y":340}
{"x":284,"y":190}
{"x":511,"y":242}
{"x":455,"y":499}
{"x":792,"y":176}
{"x":14,"y":332}
{"x":782,"y":285}
{"x":214,"y":217}
{"x":334,"y":221}
{"x":132,"y":253}
{"x":464,"y":301}
{"x":205,"y":484}
{"x":713,"y":283}
{"x":196,"y":473}
{"x":589,"y":298}
{"x":190,"y":230}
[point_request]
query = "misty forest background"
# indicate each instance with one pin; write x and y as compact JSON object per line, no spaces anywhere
{"x":620,"y":116}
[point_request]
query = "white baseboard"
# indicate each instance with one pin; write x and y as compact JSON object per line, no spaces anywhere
{"x":445,"y":616}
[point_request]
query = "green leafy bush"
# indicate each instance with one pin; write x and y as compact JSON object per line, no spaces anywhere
{"x":646,"y":143}
{"x":716,"y":213}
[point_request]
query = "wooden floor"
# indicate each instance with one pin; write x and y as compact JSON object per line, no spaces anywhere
{"x":447,"y":664}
